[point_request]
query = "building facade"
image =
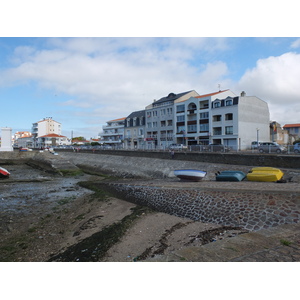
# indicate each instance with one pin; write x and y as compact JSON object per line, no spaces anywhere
{"x":113,"y":133}
{"x":134,"y":130}
{"x":52,"y":140}
{"x":47,"y":133}
{"x":222,"y":118}
{"x":160,"y":120}
{"x":293,"y":131}
{"x":46,"y":126}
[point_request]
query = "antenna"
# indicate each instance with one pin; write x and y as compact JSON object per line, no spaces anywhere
{"x":219,"y":87}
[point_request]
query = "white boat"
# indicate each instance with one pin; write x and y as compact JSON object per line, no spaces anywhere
{"x":4,"y":173}
{"x":190,"y":174}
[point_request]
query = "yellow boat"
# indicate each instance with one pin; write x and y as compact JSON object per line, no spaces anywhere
{"x":264,"y":174}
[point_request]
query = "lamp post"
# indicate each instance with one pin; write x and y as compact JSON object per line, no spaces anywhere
{"x":257,"y":137}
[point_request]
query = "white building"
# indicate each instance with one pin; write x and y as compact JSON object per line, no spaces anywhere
{"x":6,"y":139}
{"x":113,"y":133}
{"x":222,"y":118}
{"x":160,"y":120}
{"x":46,"y":126}
{"x":47,"y":133}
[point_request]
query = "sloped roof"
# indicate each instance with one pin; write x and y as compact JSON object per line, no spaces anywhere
{"x":137,"y":114}
{"x":53,"y":135}
{"x":291,"y":125}
{"x":120,"y":119}
{"x":211,"y":94}
{"x":171,"y":97}
{"x":206,"y":95}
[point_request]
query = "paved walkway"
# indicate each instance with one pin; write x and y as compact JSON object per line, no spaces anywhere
{"x":277,"y":244}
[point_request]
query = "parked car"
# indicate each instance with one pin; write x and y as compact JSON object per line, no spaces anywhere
{"x":218,"y":147}
{"x":254,"y":145}
{"x":297,"y":148}
{"x":271,"y":147}
{"x":177,"y":147}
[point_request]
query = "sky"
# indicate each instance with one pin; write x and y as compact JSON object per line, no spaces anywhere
{"x":85,"y":81}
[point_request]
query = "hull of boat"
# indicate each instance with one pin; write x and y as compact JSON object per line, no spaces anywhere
{"x":4,"y":172}
{"x":231,"y":176}
{"x":265,"y":174}
{"x":190,"y":174}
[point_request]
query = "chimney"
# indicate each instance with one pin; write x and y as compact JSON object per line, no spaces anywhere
{"x":243,"y":94}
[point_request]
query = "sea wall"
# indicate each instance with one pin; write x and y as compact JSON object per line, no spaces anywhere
{"x":232,"y":158}
{"x":251,"y":210}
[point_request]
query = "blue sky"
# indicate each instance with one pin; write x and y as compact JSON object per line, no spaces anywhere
{"x":84,"y":66}
{"x":84,"y":82}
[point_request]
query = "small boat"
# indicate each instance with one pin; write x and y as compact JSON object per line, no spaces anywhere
{"x":267,"y":174}
{"x":190,"y":174}
{"x":4,"y":173}
{"x":230,"y":176}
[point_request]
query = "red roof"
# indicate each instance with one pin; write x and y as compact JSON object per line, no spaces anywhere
{"x":54,"y":135}
{"x":211,"y":94}
{"x":121,"y":119}
{"x":291,"y":125}
{"x":206,"y":95}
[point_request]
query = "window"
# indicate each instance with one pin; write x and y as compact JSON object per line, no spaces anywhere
{"x":192,"y":128}
{"x":217,"y":118}
{"x":228,"y":117}
{"x":162,"y":123}
{"x":170,"y":123}
{"x":180,"y":108}
{"x":180,"y":129}
{"x":204,"y":115}
{"x":180,"y":118}
{"x":163,"y":112}
{"x":169,"y":110}
{"x":229,"y":130}
{"x":149,"y":125}
{"x":204,"y":127}
{"x":217,"y":104}
{"x":149,"y":114}
{"x":154,"y":124}
{"x":217,"y":130}
{"x":228,"y":102}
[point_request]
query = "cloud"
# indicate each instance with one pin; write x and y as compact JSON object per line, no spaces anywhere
{"x":296,"y":44}
{"x":276,"y":80}
{"x":127,"y":73}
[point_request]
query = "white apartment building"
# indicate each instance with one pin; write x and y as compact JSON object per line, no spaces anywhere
{"x":160,"y":120}
{"x":113,"y":133}
{"x":47,"y":133}
{"x":222,"y":118}
{"x":46,"y":126}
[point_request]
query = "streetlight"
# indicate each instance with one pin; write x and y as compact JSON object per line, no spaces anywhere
{"x":257,"y":137}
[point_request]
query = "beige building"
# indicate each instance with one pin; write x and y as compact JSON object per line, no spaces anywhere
{"x":46,"y":126}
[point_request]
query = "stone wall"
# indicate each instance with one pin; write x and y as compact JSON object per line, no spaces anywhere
{"x":233,"y":158}
{"x":248,"y":210}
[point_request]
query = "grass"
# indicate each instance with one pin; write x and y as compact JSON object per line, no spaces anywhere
{"x":99,"y":193}
{"x":285,"y":242}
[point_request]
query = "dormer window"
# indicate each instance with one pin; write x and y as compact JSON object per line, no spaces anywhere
{"x":217,"y":104}
{"x":228,"y":102}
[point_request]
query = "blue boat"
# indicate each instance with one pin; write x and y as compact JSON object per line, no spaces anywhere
{"x":230,"y":176}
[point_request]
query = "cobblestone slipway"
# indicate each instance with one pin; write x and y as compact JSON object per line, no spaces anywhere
{"x":249,"y":205}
